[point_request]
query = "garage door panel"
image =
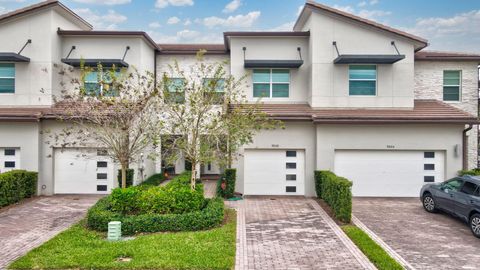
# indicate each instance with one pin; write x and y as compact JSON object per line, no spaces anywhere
{"x":388,"y":173}
{"x":265,"y":172}
{"x":82,"y":171}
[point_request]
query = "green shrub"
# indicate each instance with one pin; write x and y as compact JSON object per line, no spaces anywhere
{"x":130,"y":176}
{"x":154,"y":180}
{"x":229,"y":176}
{"x":475,"y":171}
{"x":210,"y":216}
{"x":16,"y":185}
{"x":336,"y":192}
{"x":174,"y":198}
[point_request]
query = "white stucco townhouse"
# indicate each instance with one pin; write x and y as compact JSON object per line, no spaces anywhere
{"x":359,"y":98}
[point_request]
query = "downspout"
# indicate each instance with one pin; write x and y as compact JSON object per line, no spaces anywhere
{"x":465,"y":147}
{"x":155,"y":70}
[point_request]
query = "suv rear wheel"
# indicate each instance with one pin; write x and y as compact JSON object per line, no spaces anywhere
{"x":429,"y":203}
{"x":475,"y":224}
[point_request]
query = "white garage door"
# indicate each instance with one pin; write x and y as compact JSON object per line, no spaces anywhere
{"x":274,"y":172}
{"x":390,"y":173}
{"x":86,"y":171}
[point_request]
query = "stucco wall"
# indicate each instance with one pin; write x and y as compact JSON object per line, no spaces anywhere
{"x":390,"y":137}
{"x":329,"y":81}
{"x":296,"y":135}
{"x":273,"y":48}
{"x":429,"y":85}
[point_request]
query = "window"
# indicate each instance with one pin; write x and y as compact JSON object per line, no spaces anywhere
{"x":100,"y":83}
{"x":291,"y":165}
{"x":362,"y":80}
{"x":429,"y":167}
{"x":291,"y":189}
{"x":469,"y":188}
{"x":101,"y":164}
{"x":429,"y":179}
{"x":291,"y":153}
{"x":102,"y":176}
{"x":216,"y":88}
{"x":9,"y":164}
{"x":271,"y":83}
{"x":175,"y":90}
{"x":9,"y":152}
{"x":454,"y":184}
{"x":429,"y":154}
{"x":451,"y":85}
{"x":291,"y":177}
{"x":101,"y":187}
{"x":7,"y":78}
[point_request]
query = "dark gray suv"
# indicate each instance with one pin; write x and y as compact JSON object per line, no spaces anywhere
{"x":459,"y":196}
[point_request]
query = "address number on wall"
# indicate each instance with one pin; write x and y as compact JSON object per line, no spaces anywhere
{"x":389,"y":146}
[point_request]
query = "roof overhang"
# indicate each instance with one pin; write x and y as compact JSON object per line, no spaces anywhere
{"x":368,"y":58}
{"x":273,"y":63}
{"x":13,"y":57}
{"x":94,"y":62}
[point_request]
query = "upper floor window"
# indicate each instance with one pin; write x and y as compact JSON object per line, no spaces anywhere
{"x":452,"y":85}
{"x":100,"y":83}
{"x":362,"y":80}
{"x":271,"y":83}
{"x":215,"y":88}
{"x":175,"y":90}
{"x":7,"y":78}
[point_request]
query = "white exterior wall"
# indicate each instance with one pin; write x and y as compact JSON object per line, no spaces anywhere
{"x":273,"y":48}
{"x":390,"y":137}
{"x":295,"y":136}
{"x":26,"y":137}
{"x":429,"y":85}
{"x":329,"y":82}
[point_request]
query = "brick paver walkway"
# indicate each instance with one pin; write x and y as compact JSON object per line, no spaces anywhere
{"x":423,"y":240}
{"x":28,"y":225}
{"x":291,"y":233}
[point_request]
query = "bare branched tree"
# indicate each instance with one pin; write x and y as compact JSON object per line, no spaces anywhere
{"x":109,"y":108}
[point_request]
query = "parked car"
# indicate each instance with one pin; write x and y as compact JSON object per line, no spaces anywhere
{"x":459,"y":196}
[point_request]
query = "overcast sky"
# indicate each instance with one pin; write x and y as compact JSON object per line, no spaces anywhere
{"x":448,"y":24}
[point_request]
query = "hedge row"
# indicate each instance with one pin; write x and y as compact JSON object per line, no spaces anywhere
{"x":210,"y":216}
{"x":154,"y":180}
{"x":228,"y":177}
{"x":469,"y":172}
{"x":335,"y":191}
{"x":16,"y":185}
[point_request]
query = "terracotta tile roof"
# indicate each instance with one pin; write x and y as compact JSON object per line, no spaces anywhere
{"x":44,"y":4}
{"x":142,"y":34}
{"x":424,"y":111}
{"x":446,"y":56}
{"x":316,"y":6}
{"x":29,"y":114}
{"x":192,"y":48}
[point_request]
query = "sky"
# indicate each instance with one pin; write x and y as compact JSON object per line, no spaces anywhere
{"x":452,"y":25}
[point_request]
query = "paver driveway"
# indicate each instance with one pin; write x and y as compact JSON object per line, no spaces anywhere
{"x":424,"y":240}
{"x":28,"y":225}
{"x":291,"y":233}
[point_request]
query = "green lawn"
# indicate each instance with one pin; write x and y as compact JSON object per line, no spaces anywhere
{"x":371,"y":249}
{"x":79,"y":248}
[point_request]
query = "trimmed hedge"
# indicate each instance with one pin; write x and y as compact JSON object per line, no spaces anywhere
{"x":210,"y":216}
{"x":16,"y":185}
{"x":474,"y":172}
{"x":229,"y":176}
{"x":130,"y":175}
{"x":154,"y":180}
{"x":336,"y":192}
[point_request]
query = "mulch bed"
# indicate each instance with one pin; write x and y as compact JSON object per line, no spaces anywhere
{"x":329,"y":211}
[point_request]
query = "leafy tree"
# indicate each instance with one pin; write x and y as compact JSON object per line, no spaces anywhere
{"x":115,"y":112}
{"x":206,"y":114}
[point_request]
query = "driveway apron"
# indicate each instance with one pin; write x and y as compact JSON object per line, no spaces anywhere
{"x":28,"y":225}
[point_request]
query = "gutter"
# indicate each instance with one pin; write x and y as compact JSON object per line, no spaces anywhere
{"x":465,"y":147}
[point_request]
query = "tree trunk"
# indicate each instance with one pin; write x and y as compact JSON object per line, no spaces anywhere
{"x":124,"y":176}
{"x":229,"y":154}
{"x":194,"y":175}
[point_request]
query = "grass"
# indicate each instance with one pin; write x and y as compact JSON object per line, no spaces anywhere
{"x":371,"y":249}
{"x":80,"y":248}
